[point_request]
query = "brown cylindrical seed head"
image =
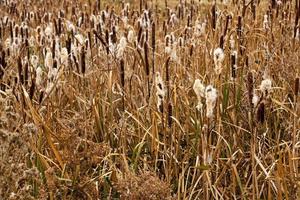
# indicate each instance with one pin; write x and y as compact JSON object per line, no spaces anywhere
{"x":122,"y":72}
{"x":250,"y":83}
{"x":261,"y":112}
{"x":297,"y":82}
{"x":170,"y":110}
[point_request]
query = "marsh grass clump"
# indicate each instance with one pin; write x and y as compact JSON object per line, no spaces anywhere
{"x":149,"y":99}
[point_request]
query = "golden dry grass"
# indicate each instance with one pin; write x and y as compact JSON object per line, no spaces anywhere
{"x":97,"y":106}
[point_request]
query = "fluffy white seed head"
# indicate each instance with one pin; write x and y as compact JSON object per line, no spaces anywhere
{"x":39,"y":77}
{"x":219,"y":55}
{"x":121,"y":47}
{"x":199,"y":89}
{"x":266,"y":86}
{"x":64,"y":56}
{"x":160,"y":90}
{"x":131,"y":36}
{"x":211,"y":97}
{"x":79,"y":38}
{"x":218,"y":59}
{"x":48,"y":59}
{"x":255,"y":100}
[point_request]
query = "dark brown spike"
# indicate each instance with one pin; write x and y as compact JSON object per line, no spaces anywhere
{"x":221,"y":42}
{"x":26,"y":73}
{"x":213,"y":17}
{"x":147,"y":65}
{"x":153,"y":47}
{"x":296,"y":89}
{"x":261,"y":112}
{"x":170,"y":113}
{"x":122,"y":73}
{"x":32,"y":88}
{"x":83,"y":66}
{"x":20,"y":68}
{"x":233,"y":66}
{"x":250,"y":83}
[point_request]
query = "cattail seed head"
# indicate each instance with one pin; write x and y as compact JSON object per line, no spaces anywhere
{"x":199,"y":90}
{"x":261,"y":112}
{"x":233,"y":64}
{"x":296,"y":88}
{"x":218,"y":59}
{"x":160,"y":91}
{"x":122,"y":72}
{"x":211,"y":98}
{"x":170,"y":113}
{"x":250,"y":87}
{"x":266,"y":86}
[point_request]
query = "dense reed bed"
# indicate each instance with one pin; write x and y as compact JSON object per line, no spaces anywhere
{"x":149,"y":99}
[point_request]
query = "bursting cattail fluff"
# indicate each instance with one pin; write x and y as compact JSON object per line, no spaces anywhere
{"x":266,"y":22}
{"x":199,"y":89}
{"x":39,"y":77}
{"x":48,"y":59}
{"x":266,"y":86}
{"x":160,"y":91}
{"x":64,"y":56}
{"x":218,"y":60}
{"x":131,"y":36}
{"x":121,"y":47}
{"x":211,"y":98}
{"x":255,"y":100}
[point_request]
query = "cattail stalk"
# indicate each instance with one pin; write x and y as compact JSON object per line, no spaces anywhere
{"x":153,"y":47}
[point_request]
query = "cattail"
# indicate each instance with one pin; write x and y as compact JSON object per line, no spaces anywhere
{"x":250,"y":86}
{"x":107,"y":41}
{"x":64,"y":57}
{"x":221,"y":42}
{"x":41,"y":96}
{"x":26,"y":73}
{"x":231,"y":42}
{"x":211,"y":98}
{"x":239,"y":27}
{"x":147,"y":66}
{"x":20,"y":69}
{"x":160,"y":91}
{"x":121,"y":47}
{"x":266,"y":23}
{"x":266,"y":86}
{"x":59,"y":26}
{"x":122,"y":72}
{"x":32,"y":88}
{"x":213,"y":17}
{"x":191,"y":50}
{"x":83,"y":66}
{"x":233,"y":64}
{"x":261,"y":112}
{"x":218,"y":59}
{"x":39,"y":77}
{"x":48,"y":59}
{"x":296,"y":89}
{"x":199,"y":89}
{"x":255,"y":99}
{"x":153,"y":45}
{"x":226,"y":24}
{"x":170,"y":113}
{"x":168,"y":76}
{"x":131,"y":36}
